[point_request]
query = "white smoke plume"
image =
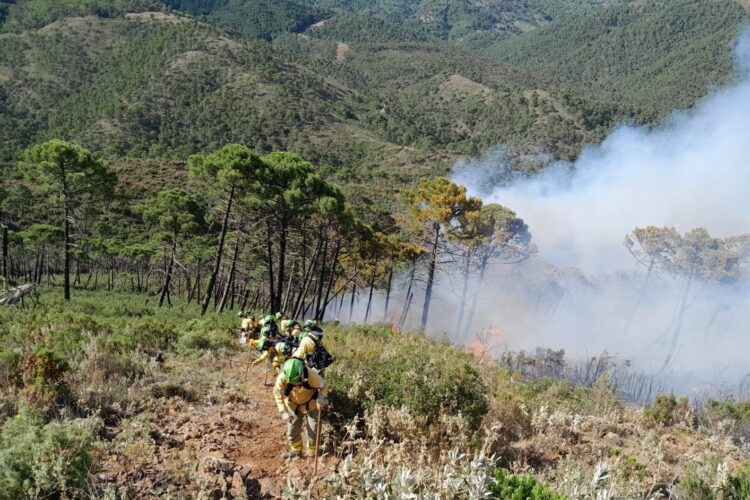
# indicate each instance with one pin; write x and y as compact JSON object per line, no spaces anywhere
{"x":692,"y":171}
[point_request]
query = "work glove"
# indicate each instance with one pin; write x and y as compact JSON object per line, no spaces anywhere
{"x":322,"y":402}
{"x":287,"y":417}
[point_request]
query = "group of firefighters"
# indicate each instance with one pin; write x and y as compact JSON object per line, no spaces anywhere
{"x":299,"y":359}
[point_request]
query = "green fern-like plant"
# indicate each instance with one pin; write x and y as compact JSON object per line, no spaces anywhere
{"x":512,"y":487}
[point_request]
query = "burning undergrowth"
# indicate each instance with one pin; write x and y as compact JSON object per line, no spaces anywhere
{"x":674,"y":299}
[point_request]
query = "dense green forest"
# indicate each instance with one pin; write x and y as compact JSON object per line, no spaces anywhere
{"x":265,"y":222}
{"x":377,"y":94}
{"x":372,"y":101}
{"x":656,"y":56}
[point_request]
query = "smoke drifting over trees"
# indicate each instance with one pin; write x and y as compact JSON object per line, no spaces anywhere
{"x":678,"y":301}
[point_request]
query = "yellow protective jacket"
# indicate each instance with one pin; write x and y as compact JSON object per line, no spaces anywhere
{"x":247,"y":324}
{"x":300,"y":398}
{"x":277,"y":359}
{"x":305,"y":349}
{"x":268,"y":354}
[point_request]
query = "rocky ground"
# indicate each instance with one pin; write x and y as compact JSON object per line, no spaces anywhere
{"x":227,"y":442}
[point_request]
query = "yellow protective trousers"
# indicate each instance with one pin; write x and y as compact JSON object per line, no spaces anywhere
{"x":294,"y":431}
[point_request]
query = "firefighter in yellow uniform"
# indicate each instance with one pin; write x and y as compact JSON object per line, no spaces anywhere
{"x":311,"y":336}
{"x":296,"y":330}
{"x":288,"y":326}
{"x":300,"y":392}
{"x":248,"y":327}
{"x":278,"y":354}
{"x":263,"y":344}
{"x":248,"y":322}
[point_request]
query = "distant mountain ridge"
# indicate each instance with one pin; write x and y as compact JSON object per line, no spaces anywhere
{"x":382,"y":91}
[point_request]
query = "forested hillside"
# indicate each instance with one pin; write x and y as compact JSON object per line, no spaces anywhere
{"x":382,"y":92}
{"x":657,"y":56}
{"x":648,"y":57}
{"x":470,"y":20}
{"x":133,"y":83}
{"x":155,"y":84}
{"x":160,"y":86}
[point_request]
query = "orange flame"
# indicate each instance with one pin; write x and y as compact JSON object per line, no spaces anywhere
{"x":393,"y":318}
{"x":484,"y":346}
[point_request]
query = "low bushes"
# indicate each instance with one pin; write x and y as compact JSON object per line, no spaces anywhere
{"x":172,"y":390}
{"x":729,"y":408}
{"x":39,"y":459}
{"x":694,"y":488}
{"x":205,"y":335}
{"x":9,"y":368}
{"x":667,"y":410}
{"x":376,"y":366}
{"x":511,"y":487}
{"x":738,"y":485}
{"x":144,"y":333}
{"x":731,"y":487}
{"x":42,"y":374}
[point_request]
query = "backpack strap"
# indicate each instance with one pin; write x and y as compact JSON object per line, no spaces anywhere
{"x":290,"y":387}
{"x":305,"y":384}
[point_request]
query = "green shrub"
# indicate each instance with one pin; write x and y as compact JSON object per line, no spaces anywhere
{"x":204,"y":335}
{"x":44,"y":366}
{"x":666,"y":410}
{"x":730,"y":408}
{"x":507,"y":486}
{"x":42,"y":373}
{"x":405,"y":370}
{"x":110,"y":363}
{"x":10,"y":373}
{"x":631,"y":468}
{"x":145,"y":333}
{"x":171,"y":390}
{"x":694,"y":488}
{"x":738,"y":484}
{"x":44,"y":460}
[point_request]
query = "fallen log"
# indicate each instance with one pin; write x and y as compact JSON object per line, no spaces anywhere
{"x":13,"y":296}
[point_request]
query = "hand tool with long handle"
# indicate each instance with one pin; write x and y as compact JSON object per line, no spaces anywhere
{"x":317,"y":442}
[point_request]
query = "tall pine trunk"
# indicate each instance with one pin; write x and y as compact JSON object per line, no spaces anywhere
{"x":287,"y":296}
{"x":407,"y":299}
{"x":331,"y":276}
{"x":388,"y":292}
{"x":219,"y":252}
{"x":351,"y":304}
{"x":232,"y":270}
{"x":430,"y":279}
{"x":168,"y":277}
{"x":307,"y":280}
{"x":475,"y":299}
{"x":465,"y":289}
{"x":269,"y":255}
{"x":639,"y":299}
{"x":683,"y":307}
{"x":282,"y":264}
{"x":321,"y":280}
{"x":5,"y":257}
{"x":66,"y":264}
{"x":369,"y":298}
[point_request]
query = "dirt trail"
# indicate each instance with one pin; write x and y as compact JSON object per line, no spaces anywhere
{"x":262,"y":450}
{"x":227,"y":443}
